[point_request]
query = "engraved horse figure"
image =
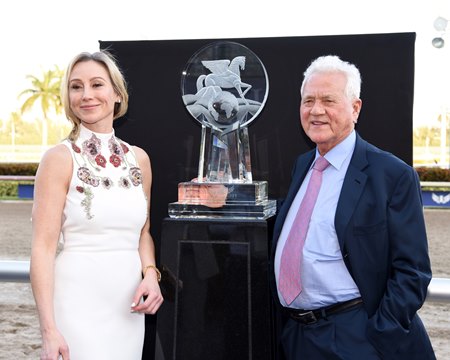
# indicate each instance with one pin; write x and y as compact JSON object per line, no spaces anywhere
{"x":225,"y":74}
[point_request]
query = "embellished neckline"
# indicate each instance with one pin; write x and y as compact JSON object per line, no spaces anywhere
{"x":94,"y":152}
{"x":91,"y":145}
{"x":86,"y":133}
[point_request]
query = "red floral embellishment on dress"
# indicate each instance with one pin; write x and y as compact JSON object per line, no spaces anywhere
{"x":117,"y":153}
{"x":94,"y":181}
{"x":124,"y":148}
{"x":124,"y":182}
{"x":135,"y":176}
{"x":91,"y":149}
{"x":92,"y":146}
{"x":84,"y":174}
{"x":106,"y":182}
{"x":115,"y":160}
{"x":114,"y":148}
{"x":91,"y":163}
{"x":100,"y":160}
{"x":76,"y":148}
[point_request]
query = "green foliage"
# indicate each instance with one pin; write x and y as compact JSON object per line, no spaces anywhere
{"x":45,"y":90}
{"x":8,"y":189}
{"x":18,"y":169}
{"x":433,"y":174}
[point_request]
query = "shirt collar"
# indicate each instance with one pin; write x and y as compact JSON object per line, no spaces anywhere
{"x":337,"y":155}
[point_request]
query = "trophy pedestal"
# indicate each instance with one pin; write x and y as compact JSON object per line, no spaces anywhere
{"x":217,"y":302}
{"x":223,"y":200}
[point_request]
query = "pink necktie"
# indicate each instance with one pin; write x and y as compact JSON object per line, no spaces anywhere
{"x":289,"y":280}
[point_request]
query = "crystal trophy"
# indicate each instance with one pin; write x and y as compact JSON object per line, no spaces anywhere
{"x":224,"y":87}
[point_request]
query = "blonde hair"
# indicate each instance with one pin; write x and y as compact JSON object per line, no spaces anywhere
{"x":117,"y":79}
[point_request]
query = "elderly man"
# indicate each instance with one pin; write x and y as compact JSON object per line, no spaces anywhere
{"x":350,"y":265}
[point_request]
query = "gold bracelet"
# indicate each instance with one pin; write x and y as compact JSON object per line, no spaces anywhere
{"x":158,"y":273}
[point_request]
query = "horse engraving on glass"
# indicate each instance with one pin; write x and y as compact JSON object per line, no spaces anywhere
{"x":224,"y":87}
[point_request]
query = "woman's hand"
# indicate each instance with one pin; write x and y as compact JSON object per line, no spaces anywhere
{"x":54,"y":347}
{"x":148,"y":288}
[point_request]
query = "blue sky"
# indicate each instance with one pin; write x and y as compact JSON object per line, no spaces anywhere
{"x":35,"y":35}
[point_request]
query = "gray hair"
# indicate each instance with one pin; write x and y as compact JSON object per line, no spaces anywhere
{"x":332,"y":64}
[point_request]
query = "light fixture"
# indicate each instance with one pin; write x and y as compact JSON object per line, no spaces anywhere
{"x":438,"y":42}
{"x":440,"y":24}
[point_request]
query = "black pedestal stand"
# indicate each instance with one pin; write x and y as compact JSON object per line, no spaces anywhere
{"x":217,"y":302}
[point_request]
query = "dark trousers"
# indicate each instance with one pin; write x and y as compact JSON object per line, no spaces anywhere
{"x":340,"y":336}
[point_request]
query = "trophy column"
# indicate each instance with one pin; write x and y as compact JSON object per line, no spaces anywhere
{"x":215,"y":244}
{"x":217,"y":303}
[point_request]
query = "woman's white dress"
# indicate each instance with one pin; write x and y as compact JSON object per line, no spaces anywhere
{"x":98,"y":269}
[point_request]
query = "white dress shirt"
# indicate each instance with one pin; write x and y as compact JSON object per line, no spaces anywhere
{"x":325,"y":278}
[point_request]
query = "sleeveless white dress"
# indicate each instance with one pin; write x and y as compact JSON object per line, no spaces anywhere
{"x":98,"y":268}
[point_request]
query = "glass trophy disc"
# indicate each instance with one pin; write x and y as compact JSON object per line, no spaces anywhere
{"x":224,"y":87}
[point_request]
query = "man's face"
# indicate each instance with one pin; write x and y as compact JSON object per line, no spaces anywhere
{"x":327,"y":115}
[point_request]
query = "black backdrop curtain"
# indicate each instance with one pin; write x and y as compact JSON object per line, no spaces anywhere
{"x":158,"y":122}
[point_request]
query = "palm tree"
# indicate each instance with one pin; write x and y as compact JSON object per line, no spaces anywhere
{"x":46,"y":91}
{"x":14,"y":119}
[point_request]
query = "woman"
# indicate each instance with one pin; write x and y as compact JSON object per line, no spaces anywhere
{"x":93,"y":193}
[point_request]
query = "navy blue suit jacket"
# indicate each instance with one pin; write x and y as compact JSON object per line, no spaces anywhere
{"x":381,"y":231}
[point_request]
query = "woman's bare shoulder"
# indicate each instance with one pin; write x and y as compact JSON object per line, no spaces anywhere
{"x":57,"y":157}
{"x":142,"y":157}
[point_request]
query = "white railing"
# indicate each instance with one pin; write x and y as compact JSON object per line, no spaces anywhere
{"x":14,"y":271}
{"x":439,"y":290}
{"x":435,"y":184}
{"x":19,"y":271}
{"x":17,"y":177}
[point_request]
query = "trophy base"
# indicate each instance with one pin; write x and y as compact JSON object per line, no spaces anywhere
{"x":261,"y":211}
{"x":223,"y":200}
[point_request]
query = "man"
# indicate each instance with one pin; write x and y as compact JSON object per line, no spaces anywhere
{"x":364,"y":268}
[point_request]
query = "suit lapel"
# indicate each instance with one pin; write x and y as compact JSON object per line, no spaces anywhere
{"x":352,"y":188}
{"x":301,"y":169}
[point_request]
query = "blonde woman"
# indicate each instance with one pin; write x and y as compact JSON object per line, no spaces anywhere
{"x":92,"y":194}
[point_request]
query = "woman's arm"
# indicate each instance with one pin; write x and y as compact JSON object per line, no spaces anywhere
{"x":50,"y":190}
{"x":149,"y":286}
